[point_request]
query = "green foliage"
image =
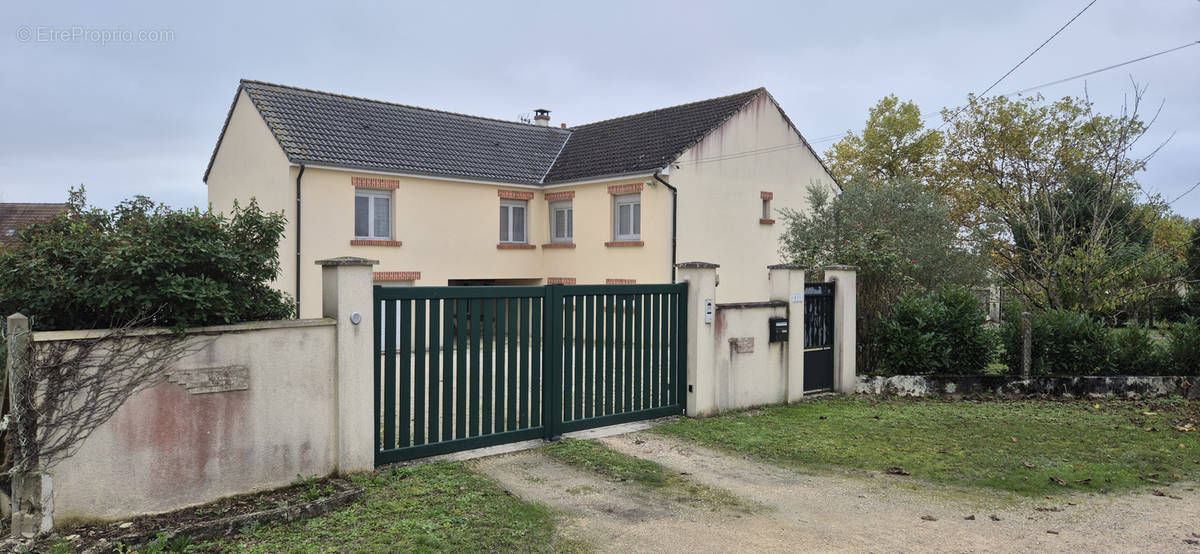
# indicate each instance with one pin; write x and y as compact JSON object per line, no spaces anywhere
{"x":1174,"y":307}
{"x":1183,"y":351}
{"x":1063,"y":343}
{"x":1135,"y":350}
{"x":893,"y":145}
{"x":92,"y":268}
{"x":939,"y":332}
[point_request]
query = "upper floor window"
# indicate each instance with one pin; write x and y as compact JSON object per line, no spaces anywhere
{"x":372,"y":214}
{"x":627,"y":217}
{"x":512,"y":221}
{"x":562,"y":221}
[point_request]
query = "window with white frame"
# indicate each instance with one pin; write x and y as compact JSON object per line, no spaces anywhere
{"x":372,"y":214}
{"x":627,"y":217}
{"x":512,"y":221}
{"x":562,"y":221}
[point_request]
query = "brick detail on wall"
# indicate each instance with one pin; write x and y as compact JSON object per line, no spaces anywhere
{"x":397,"y":275}
{"x":765,"y":195}
{"x":766,"y":221}
{"x":556,"y":196}
{"x":374,"y":183}
{"x":560,"y":280}
{"x":514,"y":246}
{"x":365,"y":242}
{"x":558,"y":245}
{"x":625,"y":243}
{"x":620,"y":281}
{"x":626,"y":189}
{"x":515,"y":194}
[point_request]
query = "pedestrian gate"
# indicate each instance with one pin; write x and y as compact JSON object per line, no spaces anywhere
{"x":818,"y":337}
{"x":466,"y":367}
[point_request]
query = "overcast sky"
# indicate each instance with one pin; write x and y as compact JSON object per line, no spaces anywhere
{"x":140,"y":114}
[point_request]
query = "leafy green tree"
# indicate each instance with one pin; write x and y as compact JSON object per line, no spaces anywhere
{"x":894,"y":144}
{"x":93,"y":268}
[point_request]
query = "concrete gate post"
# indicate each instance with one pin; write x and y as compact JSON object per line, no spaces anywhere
{"x":347,"y":298}
{"x":701,"y":278}
{"x":787,"y":285}
{"x":845,"y":316}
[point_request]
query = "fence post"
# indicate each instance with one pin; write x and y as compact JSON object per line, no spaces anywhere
{"x":348,"y":298}
{"x":32,"y":490}
{"x":845,"y":333}
{"x":787,"y":285}
{"x":701,"y":278}
{"x":1026,"y":345}
{"x":552,"y":361}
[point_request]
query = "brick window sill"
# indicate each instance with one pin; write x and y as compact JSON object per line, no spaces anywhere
{"x":365,"y":242}
{"x":624,"y":243}
{"x":514,"y":246}
{"x":559,"y":245}
{"x":766,"y":221}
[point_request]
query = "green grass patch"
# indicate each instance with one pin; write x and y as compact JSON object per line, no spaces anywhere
{"x":435,"y":507}
{"x":599,"y":458}
{"x":1028,"y":447}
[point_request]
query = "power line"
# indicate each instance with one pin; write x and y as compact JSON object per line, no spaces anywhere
{"x":1093,"y":72}
{"x":1035,"y":50}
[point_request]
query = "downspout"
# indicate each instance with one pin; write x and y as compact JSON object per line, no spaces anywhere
{"x":298,"y":177}
{"x":674,"y":221}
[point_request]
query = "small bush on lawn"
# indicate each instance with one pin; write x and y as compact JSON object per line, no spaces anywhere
{"x":1135,"y":351}
{"x":1183,"y":350}
{"x":1063,"y":343}
{"x":938,"y":332}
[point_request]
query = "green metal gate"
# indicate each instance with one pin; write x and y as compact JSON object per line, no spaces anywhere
{"x":467,"y":367}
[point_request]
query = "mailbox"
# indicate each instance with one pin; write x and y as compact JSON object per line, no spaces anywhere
{"x":779,"y":329}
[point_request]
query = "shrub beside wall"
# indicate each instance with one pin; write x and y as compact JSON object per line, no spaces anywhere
{"x":937,"y":332}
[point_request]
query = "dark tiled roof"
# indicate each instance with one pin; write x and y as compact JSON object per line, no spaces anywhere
{"x":14,"y":217}
{"x":642,"y":142}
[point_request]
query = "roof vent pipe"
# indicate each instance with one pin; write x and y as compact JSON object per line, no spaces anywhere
{"x":541,"y":116}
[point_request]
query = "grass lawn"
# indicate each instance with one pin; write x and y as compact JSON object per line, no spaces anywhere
{"x":1028,"y":447}
{"x":435,"y":507}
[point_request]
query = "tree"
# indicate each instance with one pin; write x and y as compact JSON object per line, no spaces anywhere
{"x":894,"y":144}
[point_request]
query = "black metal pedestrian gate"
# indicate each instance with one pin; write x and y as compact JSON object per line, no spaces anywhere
{"x":466,"y":367}
{"x":818,"y":337}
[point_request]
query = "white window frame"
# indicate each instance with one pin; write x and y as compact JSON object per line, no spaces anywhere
{"x":372,"y":195}
{"x":634,"y":201}
{"x":508,"y":205}
{"x":566,"y":209}
{"x":766,"y":208}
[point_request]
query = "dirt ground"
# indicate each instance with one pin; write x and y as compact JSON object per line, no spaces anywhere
{"x":834,"y":513}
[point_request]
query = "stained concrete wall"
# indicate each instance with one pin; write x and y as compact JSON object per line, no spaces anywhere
{"x":751,"y":370}
{"x":169,"y":447}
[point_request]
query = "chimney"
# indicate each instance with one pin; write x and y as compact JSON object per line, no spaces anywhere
{"x":541,"y":116}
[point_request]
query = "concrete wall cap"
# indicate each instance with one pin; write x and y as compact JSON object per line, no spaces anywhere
{"x":701,"y":265}
{"x":346,"y":260}
{"x":839,"y":268}
{"x":787,"y":266}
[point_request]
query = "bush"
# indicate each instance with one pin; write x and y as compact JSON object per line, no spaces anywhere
{"x":1134,"y":350}
{"x":939,"y":332}
{"x":1176,"y":308}
{"x":1183,"y":350}
{"x":1063,"y":343}
{"x":91,"y":268}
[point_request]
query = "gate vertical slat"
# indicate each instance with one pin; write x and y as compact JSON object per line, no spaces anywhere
{"x":405,"y":372}
{"x":489,"y":363}
{"x":419,"y":375}
{"x":578,"y":363}
{"x":448,"y":369}
{"x":377,"y":341}
{"x":567,"y":357}
{"x":514,"y":346}
{"x":435,"y":323}
{"x":501,"y":390}
{"x":646,"y":372}
{"x":630,"y":385}
{"x":673,"y":346}
{"x":635,"y":344}
{"x":680,"y":353}
{"x":523,"y":405}
{"x":610,"y":375}
{"x":389,"y":375}
{"x":657,"y":355}
{"x":552,"y":367}
{"x":535,"y":375}
{"x":460,"y":363}
{"x":474,"y":395}
{"x":589,"y":359}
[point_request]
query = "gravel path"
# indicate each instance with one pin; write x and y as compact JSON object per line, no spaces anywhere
{"x":831,"y":513}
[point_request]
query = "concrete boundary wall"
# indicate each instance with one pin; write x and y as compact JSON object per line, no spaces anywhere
{"x":1120,"y":386}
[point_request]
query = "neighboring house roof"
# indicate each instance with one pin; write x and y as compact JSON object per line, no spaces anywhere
{"x":321,"y":128}
{"x":17,"y":216}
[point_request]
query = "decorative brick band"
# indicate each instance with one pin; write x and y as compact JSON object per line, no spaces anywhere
{"x":626,"y":189}
{"x":560,"y":280}
{"x":620,"y":281}
{"x":514,"y":246}
{"x":766,"y":221}
{"x":559,"y":245}
{"x":373,"y":183}
{"x":364,"y":242}
{"x":564,"y":195}
{"x":397,"y":275}
{"x":767,"y":195}
{"x":625,"y":243}
{"x":515,"y":194}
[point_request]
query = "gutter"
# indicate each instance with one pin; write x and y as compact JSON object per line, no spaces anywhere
{"x":299,"y":176}
{"x":674,"y":221}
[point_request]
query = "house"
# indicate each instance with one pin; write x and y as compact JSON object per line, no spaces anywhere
{"x":17,"y":216}
{"x":441,"y":198}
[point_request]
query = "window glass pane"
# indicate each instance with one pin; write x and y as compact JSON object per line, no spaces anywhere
{"x":518,"y":219}
{"x":383,"y":218}
{"x":637,"y":219}
{"x":623,"y":219}
{"x":560,"y":224}
{"x":362,"y":207}
{"x":503,"y":223}
{"x":570,"y":223}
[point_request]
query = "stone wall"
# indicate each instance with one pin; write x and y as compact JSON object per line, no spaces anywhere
{"x":1121,"y":386}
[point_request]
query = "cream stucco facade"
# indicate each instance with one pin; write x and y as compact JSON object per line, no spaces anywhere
{"x":447,"y":229}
